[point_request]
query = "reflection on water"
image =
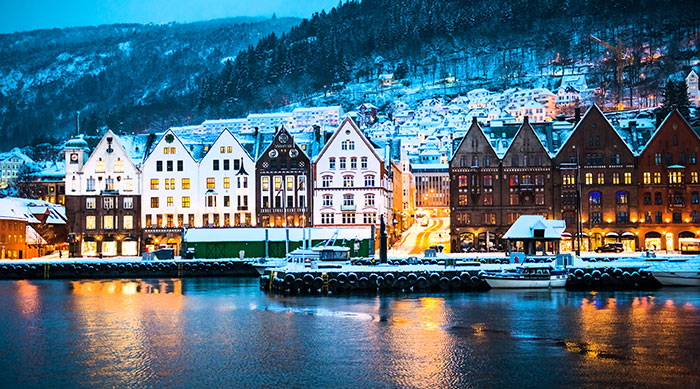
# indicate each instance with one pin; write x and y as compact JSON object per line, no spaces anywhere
{"x":224,"y":332}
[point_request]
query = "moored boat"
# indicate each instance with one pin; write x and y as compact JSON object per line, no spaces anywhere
{"x":677,"y":273}
{"x":529,"y":276}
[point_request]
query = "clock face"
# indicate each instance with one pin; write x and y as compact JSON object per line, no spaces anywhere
{"x":293,"y":153}
{"x":273,"y":153}
{"x":74,"y":158}
{"x":283,"y":138}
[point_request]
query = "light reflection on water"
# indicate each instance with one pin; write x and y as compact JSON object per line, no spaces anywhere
{"x":225,"y":332}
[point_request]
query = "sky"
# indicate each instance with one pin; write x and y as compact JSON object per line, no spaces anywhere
{"x":24,"y":15}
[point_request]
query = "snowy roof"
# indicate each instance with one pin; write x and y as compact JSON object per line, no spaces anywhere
{"x":30,"y":207}
{"x":11,"y":210}
{"x":194,"y":235}
{"x":33,"y":237}
{"x":49,"y":169}
{"x":526,"y":225}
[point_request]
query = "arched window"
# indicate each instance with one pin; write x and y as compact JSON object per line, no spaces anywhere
{"x":594,"y":198}
{"x":622,"y":198}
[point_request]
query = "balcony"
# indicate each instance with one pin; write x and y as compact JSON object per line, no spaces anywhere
{"x":348,"y":207}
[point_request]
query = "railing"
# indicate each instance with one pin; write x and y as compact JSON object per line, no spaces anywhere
{"x":348,"y":207}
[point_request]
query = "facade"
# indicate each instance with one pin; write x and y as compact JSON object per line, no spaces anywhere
{"x":669,"y":199}
{"x":12,"y":165}
{"x":432,"y":183}
{"x":13,"y":231}
{"x":692,"y":82}
{"x":608,"y":183}
{"x":407,"y":215}
{"x":103,"y":199}
{"x":172,"y":198}
{"x":283,"y":184}
{"x":526,"y":173}
{"x":475,"y":187}
{"x":351,"y":181}
{"x":316,"y":116}
{"x":45,"y":183}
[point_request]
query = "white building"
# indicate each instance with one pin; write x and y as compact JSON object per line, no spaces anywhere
{"x":693,"y":83}
{"x":305,"y":118}
{"x":269,"y":122}
{"x":351,"y":181}
{"x":12,"y":164}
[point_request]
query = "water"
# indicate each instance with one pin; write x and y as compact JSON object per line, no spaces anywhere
{"x":225,"y":332}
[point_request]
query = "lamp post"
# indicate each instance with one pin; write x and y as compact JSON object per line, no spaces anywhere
{"x":579,"y":225}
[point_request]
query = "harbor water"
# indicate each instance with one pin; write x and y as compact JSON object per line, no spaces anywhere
{"x":214,"y":332}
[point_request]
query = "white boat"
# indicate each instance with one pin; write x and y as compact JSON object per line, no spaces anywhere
{"x":677,"y":273}
{"x":304,"y":257}
{"x":529,"y":276}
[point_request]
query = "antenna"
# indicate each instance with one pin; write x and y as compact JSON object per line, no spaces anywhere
{"x":77,"y":122}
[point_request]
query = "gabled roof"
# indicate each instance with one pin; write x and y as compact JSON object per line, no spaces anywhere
{"x":525,"y":226}
{"x":353,"y":126}
{"x":593,"y":110}
{"x":281,"y":130}
{"x":226,"y":131}
{"x":673,"y":114}
{"x":524,"y":129}
{"x":116,"y":141}
{"x":474,"y":127}
{"x":162,"y":139}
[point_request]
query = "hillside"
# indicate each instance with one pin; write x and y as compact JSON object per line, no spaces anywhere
{"x":127,"y":76}
{"x":478,"y":43}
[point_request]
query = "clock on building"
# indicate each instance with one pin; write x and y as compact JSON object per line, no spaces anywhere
{"x":293,"y":153}
{"x":273,"y":153}
{"x":283,"y":138}
{"x":74,"y":158}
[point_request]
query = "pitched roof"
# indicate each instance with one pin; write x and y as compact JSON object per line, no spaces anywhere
{"x":354,"y":127}
{"x":593,"y":110}
{"x":525,"y":226}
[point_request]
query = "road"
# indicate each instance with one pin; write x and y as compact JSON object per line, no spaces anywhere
{"x":418,"y":238}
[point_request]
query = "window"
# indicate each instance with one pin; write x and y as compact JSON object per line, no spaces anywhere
{"x":166,"y":150}
{"x":154,"y":202}
{"x":353,"y":163}
{"x":348,"y":181}
{"x":170,"y":183}
{"x":489,"y":218}
{"x":657,"y":159}
{"x":657,"y":178}
{"x":210,"y":201}
{"x":513,"y":180}
{"x":128,"y":222}
{"x":301,"y":183}
{"x":119,"y":166}
{"x":180,"y":166}
{"x":347,"y":145}
{"x":215,"y":164}
{"x":475,"y":161}
{"x":290,"y":183}
{"x":647,"y":198}
{"x":100,"y":166}
{"x":227,"y":201}
{"x":327,"y":218}
{"x":487,"y":161}
{"x":514,"y":161}
{"x":169,"y":201}
{"x":691,"y":158}
{"x":628,"y":178}
{"x":128,"y":202}
{"x":616,"y":178}
{"x":539,"y":198}
{"x":369,"y":200}
{"x":159,"y":166}
{"x":222,"y":149}
{"x":363,"y":163}
{"x":694,"y":217}
{"x":525,"y":160}
{"x":169,"y":166}
{"x":669,"y":159}
{"x":210,"y":183}
{"x":227,"y":164}
{"x":342,"y":162}
{"x":658,"y":217}
{"x":89,"y":222}
{"x":108,"y":203}
{"x":676,"y":217}
{"x":369,"y":180}
{"x":622,"y":198}
{"x":646,"y":178}
{"x":327,"y":200}
{"x":596,"y":218}
{"x":90,"y":203}
{"x":266,"y":183}
{"x":185,"y":201}
{"x":647,"y":217}
{"x":589,"y":178}
{"x":91,"y":184}
{"x":236,"y":164}
{"x":463,"y":181}
{"x":227,"y":182}
{"x":326,"y":181}
{"x":108,"y":222}
{"x":657,"y":198}
{"x":615,"y":159}
{"x":331,"y":162}
{"x":539,"y":179}
{"x":514,"y":199}
{"x":677,"y":199}
{"x":693,"y":177}
{"x":594,"y":198}
{"x":154,"y":184}
{"x":369,"y":218}
{"x":675,"y":177}
{"x":185,"y":183}
{"x":681,"y":159}
{"x":568,"y":179}
{"x":348,"y":218}
{"x":462,"y":199}
{"x":488,"y":198}
{"x":348,"y":200}
{"x":622,"y":217}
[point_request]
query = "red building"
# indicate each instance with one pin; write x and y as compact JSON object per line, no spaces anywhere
{"x":668,"y":185}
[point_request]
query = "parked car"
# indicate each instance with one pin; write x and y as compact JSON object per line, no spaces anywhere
{"x":610,"y":248}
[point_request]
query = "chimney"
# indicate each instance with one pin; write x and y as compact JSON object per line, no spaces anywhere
{"x":526,"y":119}
{"x":577,"y":114}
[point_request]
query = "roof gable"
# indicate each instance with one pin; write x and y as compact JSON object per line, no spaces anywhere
{"x":161,"y":142}
{"x":224,"y":137}
{"x":526,"y":131}
{"x":673,"y":121}
{"x":101,"y":150}
{"x":474,"y":131}
{"x":594,"y":113}
{"x":348,"y":124}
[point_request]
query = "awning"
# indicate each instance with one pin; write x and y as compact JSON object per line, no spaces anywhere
{"x":652,"y":234}
{"x":627,"y":235}
{"x":583,"y":235}
{"x":612,"y":235}
{"x":566,"y":235}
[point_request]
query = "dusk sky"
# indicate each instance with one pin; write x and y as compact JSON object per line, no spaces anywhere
{"x":23,"y":15}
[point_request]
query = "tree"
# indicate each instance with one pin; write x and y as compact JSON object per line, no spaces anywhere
{"x":675,"y":95}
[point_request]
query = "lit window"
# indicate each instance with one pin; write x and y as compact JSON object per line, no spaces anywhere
{"x":166,"y":150}
{"x":108,"y":222}
{"x":266,"y":183}
{"x":646,"y":178}
{"x":100,"y":166}
{"x":227,"y":182}
{"x":657,"y":178}
{"x":185,"y":201}
{"x":154,"y":184}
{"x":628,"y":178}
{"x":616,"y":179}
{"x":210,"y":183}
{"x":128,"y":202}
{"x":119,"y":166}
{"x":589,"y":178}
{"x":90,"y":203}
{"x":154,"y":202}
{"x":290,"y":183}
{"x":90,"y":222}
{"x":128,"y":222}
{"x":185,"y":183}
{"x":170,"y":201}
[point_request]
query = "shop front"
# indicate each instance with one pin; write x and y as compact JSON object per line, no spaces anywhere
{"x":652,"y":241}
{"x":629,"y":241}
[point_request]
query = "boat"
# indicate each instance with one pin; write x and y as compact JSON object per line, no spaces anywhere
{"x":677,"y":273}
{"x":529,"y":276}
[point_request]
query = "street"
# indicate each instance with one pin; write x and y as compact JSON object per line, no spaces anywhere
{"x":417,"y":238}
